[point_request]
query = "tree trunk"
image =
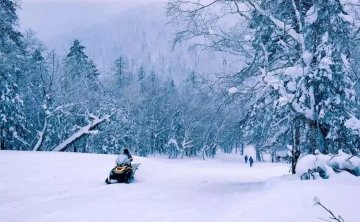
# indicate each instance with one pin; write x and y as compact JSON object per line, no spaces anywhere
{"x":236,"y":147}
{"x":295,"y":152}
{"x":258,"y":157}
{"x":2,"y":139}
{"x":317,"y":135}
{"x":204,"y":150}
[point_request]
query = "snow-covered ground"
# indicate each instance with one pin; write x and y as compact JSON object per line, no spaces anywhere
{"x":38,"y":186}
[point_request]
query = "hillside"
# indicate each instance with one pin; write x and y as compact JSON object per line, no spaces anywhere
{"x":140,"y":32}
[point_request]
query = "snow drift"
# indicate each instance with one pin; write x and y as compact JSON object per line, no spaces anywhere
{"x":320,"y":165}
{"x":70,"y":187}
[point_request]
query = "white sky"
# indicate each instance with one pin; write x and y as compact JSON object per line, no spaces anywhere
{"x":99,"y":1}
{"x":55,"y":17}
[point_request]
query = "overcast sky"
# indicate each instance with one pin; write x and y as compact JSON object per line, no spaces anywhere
{"x":52,"y":18}
{"x":99,"y":1}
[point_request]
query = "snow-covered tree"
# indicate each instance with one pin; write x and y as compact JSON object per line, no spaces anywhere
{"x":304,"y":61}
{"x":141,"y":73}
{"x":121,"y":70}
{"x":298,"y":81}
{"x":80,"y":73}
{"x":12,"y":57}
{"x":36,"y":86}
{"x":53,"y":103}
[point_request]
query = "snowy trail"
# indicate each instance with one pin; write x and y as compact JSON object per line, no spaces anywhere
{"x":38,"y":186}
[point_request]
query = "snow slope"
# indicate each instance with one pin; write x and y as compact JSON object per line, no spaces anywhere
{"x":39,"y":186}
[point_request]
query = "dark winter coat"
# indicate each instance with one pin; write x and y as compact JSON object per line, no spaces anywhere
{"x":129,"y":156}
{"x":127,"y":153}
{"x":251,"y":161}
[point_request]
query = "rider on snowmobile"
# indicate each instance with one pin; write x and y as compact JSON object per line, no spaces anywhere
{"x":127,"y":153}
{"x":124,"y":171}
{"x":124,"y":159}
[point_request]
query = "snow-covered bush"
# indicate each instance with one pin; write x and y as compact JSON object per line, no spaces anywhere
{"x":320,"y":165}
{"x":344,"y":161}
{"x":313,"y":166}
{"x":267,"y":157}
{"x":284,"y":155}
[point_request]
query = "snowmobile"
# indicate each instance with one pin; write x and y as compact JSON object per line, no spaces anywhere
{"x":123,"y":172}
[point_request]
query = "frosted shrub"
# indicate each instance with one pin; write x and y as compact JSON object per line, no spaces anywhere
{"x":345,"y":162}
{"x":320,"y":165}
{"x":313,"y":167}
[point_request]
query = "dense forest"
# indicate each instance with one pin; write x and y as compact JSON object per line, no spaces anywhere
{"x":296,"y":91}
{"x":59,"y":103}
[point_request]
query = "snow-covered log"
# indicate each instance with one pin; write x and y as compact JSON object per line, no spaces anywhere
{"x":86,"y":130}
{"x":41,"y":136}
{"x":49,"y":113}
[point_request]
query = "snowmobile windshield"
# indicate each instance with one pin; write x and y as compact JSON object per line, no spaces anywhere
{"x":122,"y":160}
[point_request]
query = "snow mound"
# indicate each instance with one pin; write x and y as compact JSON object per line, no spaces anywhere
{"x":324,"y":166}
{"x":344,"y":161}
{"x":266,"y":157}
{"x":313,"y":166}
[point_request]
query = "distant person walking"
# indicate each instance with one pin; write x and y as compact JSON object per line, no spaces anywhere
{"x":246,"y":159}
{"x":251,"y":161}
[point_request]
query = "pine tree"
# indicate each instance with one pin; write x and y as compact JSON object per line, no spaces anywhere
{"x":141,"y":73}
{"x":12,"y":52}
{"x":192,"y":78}
{"x":121,"y":69}
{"x":81,"y":74}
{"x":92,"y":77}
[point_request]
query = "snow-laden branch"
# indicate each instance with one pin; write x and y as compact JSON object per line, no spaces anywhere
{"x":186,"y":144}
{"x":353,"y":124}
{"x":49,"y":112}
{"x":298,"y":18}
{"x":271,"y":80}
{"x":280,"y":24}
{"x":59,"y":108}
{"x":275,"y":138}
{"x":86,"y":130}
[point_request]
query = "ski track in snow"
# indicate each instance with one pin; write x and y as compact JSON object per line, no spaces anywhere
{"x":58,"y":187}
